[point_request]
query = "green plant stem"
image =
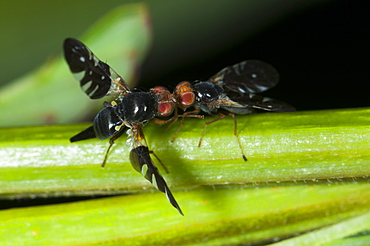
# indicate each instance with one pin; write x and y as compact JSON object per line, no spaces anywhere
{"x":321,"y":146}
{"x":304,"y":171}
{"x":212,"y":217}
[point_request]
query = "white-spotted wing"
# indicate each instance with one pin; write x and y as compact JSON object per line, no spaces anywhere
{"x":251,"y":76}
{"x":241,"y":81}
{"x":253,"y":101}
{"x":141,"y":162}
{"x":96,"y":78}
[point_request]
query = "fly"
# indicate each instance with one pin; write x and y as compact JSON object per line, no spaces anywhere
{"x":231,"y":91}
{"x":129,"y":111}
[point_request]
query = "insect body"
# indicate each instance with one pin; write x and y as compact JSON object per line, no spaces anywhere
{"x":231,"y":91}
{"x":130,"y":110}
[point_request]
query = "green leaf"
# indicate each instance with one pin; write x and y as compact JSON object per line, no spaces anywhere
{"x":212,"y":217}
{"x":47,"y":95}
{"x":292,"y":147}
{"x":305,"y":171}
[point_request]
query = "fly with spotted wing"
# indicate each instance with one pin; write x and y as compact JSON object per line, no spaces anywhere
{"x":130,"y":109}
{"x":231,"y":91}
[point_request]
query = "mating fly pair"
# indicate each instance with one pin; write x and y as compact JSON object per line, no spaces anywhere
{"x":231,"y":91}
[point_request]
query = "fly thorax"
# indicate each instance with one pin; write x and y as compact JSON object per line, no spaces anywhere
{"x":137,"y":107}
{"x":207,"y":94}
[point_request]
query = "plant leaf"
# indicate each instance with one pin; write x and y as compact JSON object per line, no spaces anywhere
{"x":212,"y":217}
{"x":304,"y":171}
{"x":122,"y":37}
{"x":318,"y":146}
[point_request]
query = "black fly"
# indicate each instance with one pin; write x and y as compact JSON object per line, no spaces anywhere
{"x":231,"y":91}
{"x":130,"y":110}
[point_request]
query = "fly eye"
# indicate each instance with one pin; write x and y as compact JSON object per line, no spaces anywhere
{"x":187,"y":99}
{"x":165,"y":104}
{"x":165,"y":109}
{"x":184,"y":95}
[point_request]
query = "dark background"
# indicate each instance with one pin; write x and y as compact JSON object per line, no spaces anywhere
{"x":322,"y":55}
{"x":319,"y":47}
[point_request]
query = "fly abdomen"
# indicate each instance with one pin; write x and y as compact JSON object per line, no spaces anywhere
{"x":106,"y":123}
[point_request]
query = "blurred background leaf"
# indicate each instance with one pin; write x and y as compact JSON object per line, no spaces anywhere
{"x":47,"y":96}
{"x":221,"y":216}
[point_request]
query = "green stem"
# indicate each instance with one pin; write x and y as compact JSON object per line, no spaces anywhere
{"x":316,"y":146}
{"x":224,"y":199}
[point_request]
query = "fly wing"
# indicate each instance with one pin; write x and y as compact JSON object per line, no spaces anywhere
{"x":253,"y":101}
{"x":97,"y":79}
{"x":142,"y":163}
{"x":251,"y":76}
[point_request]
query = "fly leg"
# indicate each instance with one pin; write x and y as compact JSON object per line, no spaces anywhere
{"x":162,"y":122}
{"x":221,"y":116}
{"x":159,"y":160}
{"x":237,"y":136}
{"x":190,"y":114}
{"x":111,"y":142}
{"x":175,"y":117}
